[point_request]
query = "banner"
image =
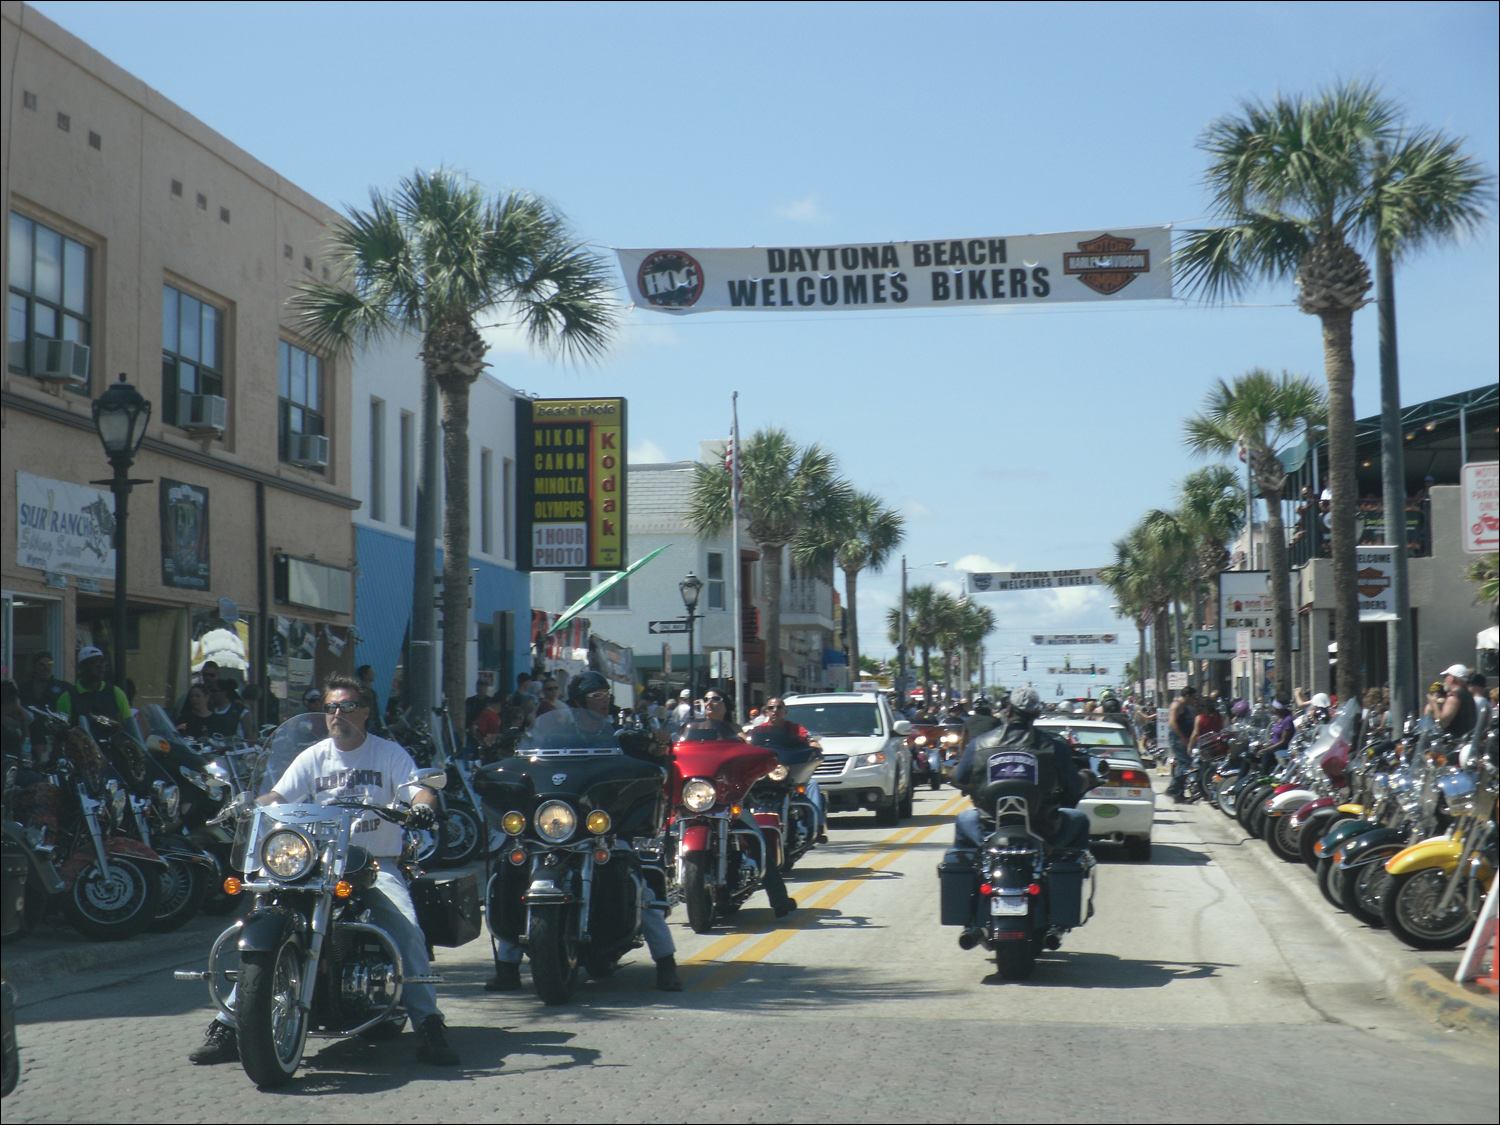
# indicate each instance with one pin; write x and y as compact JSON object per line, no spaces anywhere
{"x":1118,"y":264}
{"x":570,"y":484}
{"x":64,"y":528}
{"x":1375,"y":569}
{"x":1245,"y":605}
{"x":184,"y":535}
{"x":995,"y":581}
{"x":1074,"y":638}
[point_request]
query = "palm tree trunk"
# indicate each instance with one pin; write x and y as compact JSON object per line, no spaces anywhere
{"x":1197,"y":603}
{"x":851,"y":617}
{"x":1140,"y":660}
{"x":1281,"y":592}
{"x":1161,"y":636}
{"x":926,"y":677}
{"x":1338,"y":366}
{"x":771,"y":567}
{"x":456,"y":593}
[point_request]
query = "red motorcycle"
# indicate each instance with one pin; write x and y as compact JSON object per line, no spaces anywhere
{"x":719,"y":859}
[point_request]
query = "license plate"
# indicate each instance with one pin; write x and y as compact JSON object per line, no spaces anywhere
{"x":1117,"y":794}
{"x":1008,"y":904}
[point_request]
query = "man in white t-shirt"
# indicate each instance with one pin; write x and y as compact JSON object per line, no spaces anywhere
{"x":354,"y":763}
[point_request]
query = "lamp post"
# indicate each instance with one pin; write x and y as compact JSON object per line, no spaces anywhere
{"x":120,"y":417}
{"x":901,"y":646}
{"x":690,"y":588}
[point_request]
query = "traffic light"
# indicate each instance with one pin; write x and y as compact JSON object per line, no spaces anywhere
{"x":1023,"y":664}
{"x":1093,"y":670}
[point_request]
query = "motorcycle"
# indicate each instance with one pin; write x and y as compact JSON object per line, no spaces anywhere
{"x":932,"y":745}
{"x":21,"y":862}
{"x":1318,"y":772}
{"x":582,"y":858}
{"x":459,"y":835}
{"x":719,"y":861}
{"x":1027,"y":895}
{"x":782,"y":793}
{"x":308,"y":963}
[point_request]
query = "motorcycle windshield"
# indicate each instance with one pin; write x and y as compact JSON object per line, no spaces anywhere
{"x":281,"y":749}
{"x":571,"y":728}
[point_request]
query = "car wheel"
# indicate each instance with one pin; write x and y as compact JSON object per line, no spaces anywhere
{"x":888,"y":815}
{"x":1138,"y":848}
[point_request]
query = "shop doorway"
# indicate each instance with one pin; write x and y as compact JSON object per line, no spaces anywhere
{"x":156,"y":648}
{"x":29,"y":625}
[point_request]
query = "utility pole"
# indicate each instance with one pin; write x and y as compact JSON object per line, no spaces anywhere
{"x":1393,"y":491}
{"x":423,"y":629}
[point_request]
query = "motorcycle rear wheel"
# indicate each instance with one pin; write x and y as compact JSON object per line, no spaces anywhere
{"x":1363,"y":890}
{"x":1282,"y":838}
{"x":696,"y":892}
{"x":461,"y":836}
{"x":184,"y":886}
{"x":272,"y":1025}
{"x":1015,"y":960}
{"x":115,"y":908}
{"x":934,"y":782}
{"x":554,"y":961}
{"x":1409,"y":911}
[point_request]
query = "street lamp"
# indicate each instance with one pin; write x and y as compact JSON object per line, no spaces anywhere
{"x":901,"y":647}
{"x":691,"y":588}
{"x":120,"y":417}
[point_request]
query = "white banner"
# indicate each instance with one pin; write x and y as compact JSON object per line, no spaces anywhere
{"x":995,"y":581}
{"x":1245,"y":605}
{"x":1074,"y":638}
{"x":1112,"y":265}
{"x":64,"y":528}
{"x":1374,"y":572}
{"x":1481,"y":509}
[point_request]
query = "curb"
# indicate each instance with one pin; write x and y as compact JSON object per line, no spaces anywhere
{"x":29,"y":964}
{"x":1421,"y":989}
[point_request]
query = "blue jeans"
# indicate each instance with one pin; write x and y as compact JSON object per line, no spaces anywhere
{"x":1182,"y":765}
{"x":815,"y":795}
{"x":391,"y":909}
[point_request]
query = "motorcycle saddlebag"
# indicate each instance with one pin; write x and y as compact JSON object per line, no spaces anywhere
{"x":447,"y":905}
{"x":959,"y":885}
{"x":1065,"y":879}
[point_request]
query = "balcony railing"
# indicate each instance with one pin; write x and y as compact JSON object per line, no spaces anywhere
{"x":803,"y":595}
{"x":1310,"y":529}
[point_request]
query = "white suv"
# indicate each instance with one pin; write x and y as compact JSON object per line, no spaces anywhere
{"x":865,"y":762}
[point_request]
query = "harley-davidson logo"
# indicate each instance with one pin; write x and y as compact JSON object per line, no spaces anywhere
{"x":1373,"y":582}
{"x":559,"y":778}
{"x":1107,"y":264}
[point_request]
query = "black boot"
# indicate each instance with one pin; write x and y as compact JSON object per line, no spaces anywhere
{"x":507,"y":977}
{"x":781,"y":902}
{"x":432,"y":1043}
{"x":220,"y":1045}
{"x":667,"y":979}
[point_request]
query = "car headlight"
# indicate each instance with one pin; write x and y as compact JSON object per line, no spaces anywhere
{"x":514,"y":823}
{"x":556,"y":821}
{"x":698,"y":794}
{"x":287,"y":854}
{"x":168,"y":800}
{"x":873,"y":759}
{"x":778,"y":773}
{"x":598,"y":822}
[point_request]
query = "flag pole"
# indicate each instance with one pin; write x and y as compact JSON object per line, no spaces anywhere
{"x":741,"y":688}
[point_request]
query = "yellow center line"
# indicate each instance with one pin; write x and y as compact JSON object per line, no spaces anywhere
{"x":719,"y":948}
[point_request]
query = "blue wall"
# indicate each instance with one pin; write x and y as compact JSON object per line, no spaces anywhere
{"x":382,"y":601}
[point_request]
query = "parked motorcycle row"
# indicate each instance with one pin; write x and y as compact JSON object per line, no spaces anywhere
{"x":1401,"y":832}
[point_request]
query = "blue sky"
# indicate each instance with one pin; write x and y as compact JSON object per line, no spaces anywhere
{"x":1023,"y":438}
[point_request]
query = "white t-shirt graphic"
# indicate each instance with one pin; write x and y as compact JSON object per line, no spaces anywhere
{"x":373,"y":771}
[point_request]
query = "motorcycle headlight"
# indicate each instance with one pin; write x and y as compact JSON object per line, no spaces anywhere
{"x":698,"y":794}
{"x":193,"y":777}
{"x":556,"y":821}
{"x":514,"y":823}
{"x":287,"y":854}
{"x":873,"y":759}
{"x":778,"y":773}
{"x":119,"y":801}
{"x":921,"y":740}
{"x":950,"y":738}
{"x":598,"y":822}
{"x":168,"y":800}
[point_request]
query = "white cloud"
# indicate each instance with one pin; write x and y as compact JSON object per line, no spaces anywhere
{"x":981,"y":563}
{"x":805,"y":210}
{"x":915,"y":509}
{"x":648,"y":453}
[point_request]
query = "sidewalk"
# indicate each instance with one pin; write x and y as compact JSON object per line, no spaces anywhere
{"x":56,"y":949}
{"x":1422,"y":980}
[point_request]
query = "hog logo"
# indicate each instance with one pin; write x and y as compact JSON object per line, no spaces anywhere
{"x":670,"y":279}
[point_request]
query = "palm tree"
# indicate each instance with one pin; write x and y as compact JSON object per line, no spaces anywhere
{"x":432,"y":258}
{"x":1484,"y":572}
{"x":858,"y":533}
{"x":784,"y":485}
{"x":926,"y":612}
{"x":1263,"y":414}
{"x":975,"y":622}
{"x":1150,"y":573}
{"x":1211,"y":508}
{"x":1301,"y":184}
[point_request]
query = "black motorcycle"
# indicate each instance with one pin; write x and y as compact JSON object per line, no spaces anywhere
{"x":784,"y":792}
{"x":582,"y":857}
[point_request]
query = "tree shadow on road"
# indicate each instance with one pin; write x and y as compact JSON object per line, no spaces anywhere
{"x":1064,"y":969}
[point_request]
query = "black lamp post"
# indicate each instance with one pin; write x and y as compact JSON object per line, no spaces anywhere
{"x":690,"y":588}
{"x":120,"y":417}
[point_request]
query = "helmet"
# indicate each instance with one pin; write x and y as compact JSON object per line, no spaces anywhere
{"x":982,"y":706}
{"x":1107,"y":693}
{"x":1110,"y":706}
{"x":1240,"y":708}
{"x":1026,"y":701}
{"x":581,"y":685}
{"x":89,"y":652}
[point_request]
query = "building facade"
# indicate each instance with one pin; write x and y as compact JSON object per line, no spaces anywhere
{"x":139,"y":241}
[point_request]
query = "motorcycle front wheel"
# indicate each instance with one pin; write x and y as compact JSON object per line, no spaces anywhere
{"x":1363,"y":888}
{"x":1410,"y":910}
{"x":272,"y":1024}
{"x":554,"y":961}
{"x":462,"y":837}
{"x":118,"y":907}
{"x":1283,"y":838}
{"x":184,"y":886}
{"x":1314,"y":830}
{"x":1328,"y":882}
{"x":1228,"y":789}
{"x":696,"y":892}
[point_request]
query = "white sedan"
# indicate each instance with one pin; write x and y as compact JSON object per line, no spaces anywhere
{"x":1122,"y":809}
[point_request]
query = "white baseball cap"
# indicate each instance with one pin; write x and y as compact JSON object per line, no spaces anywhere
{"x":684,"y":694}
{"x":1457,"y":670}
{"x":89,"y":652}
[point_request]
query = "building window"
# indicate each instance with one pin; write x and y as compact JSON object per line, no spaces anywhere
{"x":377,"y":460}
{"x":486,"y":502}
{"x":192,"y":334}
{"x":51,"y":282}
{"x":618,"y":596}
{"x":716,"y":580}
{"x":576,"y":583}
{"x":408,"y":468}
{"x":507,"y":495}
{"x":300,"y":387}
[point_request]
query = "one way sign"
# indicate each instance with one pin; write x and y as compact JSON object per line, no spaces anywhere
{"x":680,"y":625}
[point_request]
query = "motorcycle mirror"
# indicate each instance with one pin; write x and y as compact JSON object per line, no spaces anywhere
{"x":431,"y":779}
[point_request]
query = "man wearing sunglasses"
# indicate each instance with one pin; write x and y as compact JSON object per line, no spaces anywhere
{"x":551,"y":694}
{"x":780,"y":734}
{"x":354,"y":763}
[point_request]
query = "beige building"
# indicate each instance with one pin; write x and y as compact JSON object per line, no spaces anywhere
{"x":139,"y":241}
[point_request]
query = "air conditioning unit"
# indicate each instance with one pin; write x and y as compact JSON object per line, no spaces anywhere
{"x":202,"y":415}
{"x":60,"y":361}
{"x":308,"y":450}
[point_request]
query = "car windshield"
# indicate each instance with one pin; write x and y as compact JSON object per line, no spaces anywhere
{"x":835,"y":720}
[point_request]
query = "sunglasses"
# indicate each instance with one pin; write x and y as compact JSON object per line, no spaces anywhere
{"x":600,"y":694}
{"x":713,"y":699}
{"x":342,"y":705}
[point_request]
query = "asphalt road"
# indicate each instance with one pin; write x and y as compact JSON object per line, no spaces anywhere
{"x":1199,"y":991}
